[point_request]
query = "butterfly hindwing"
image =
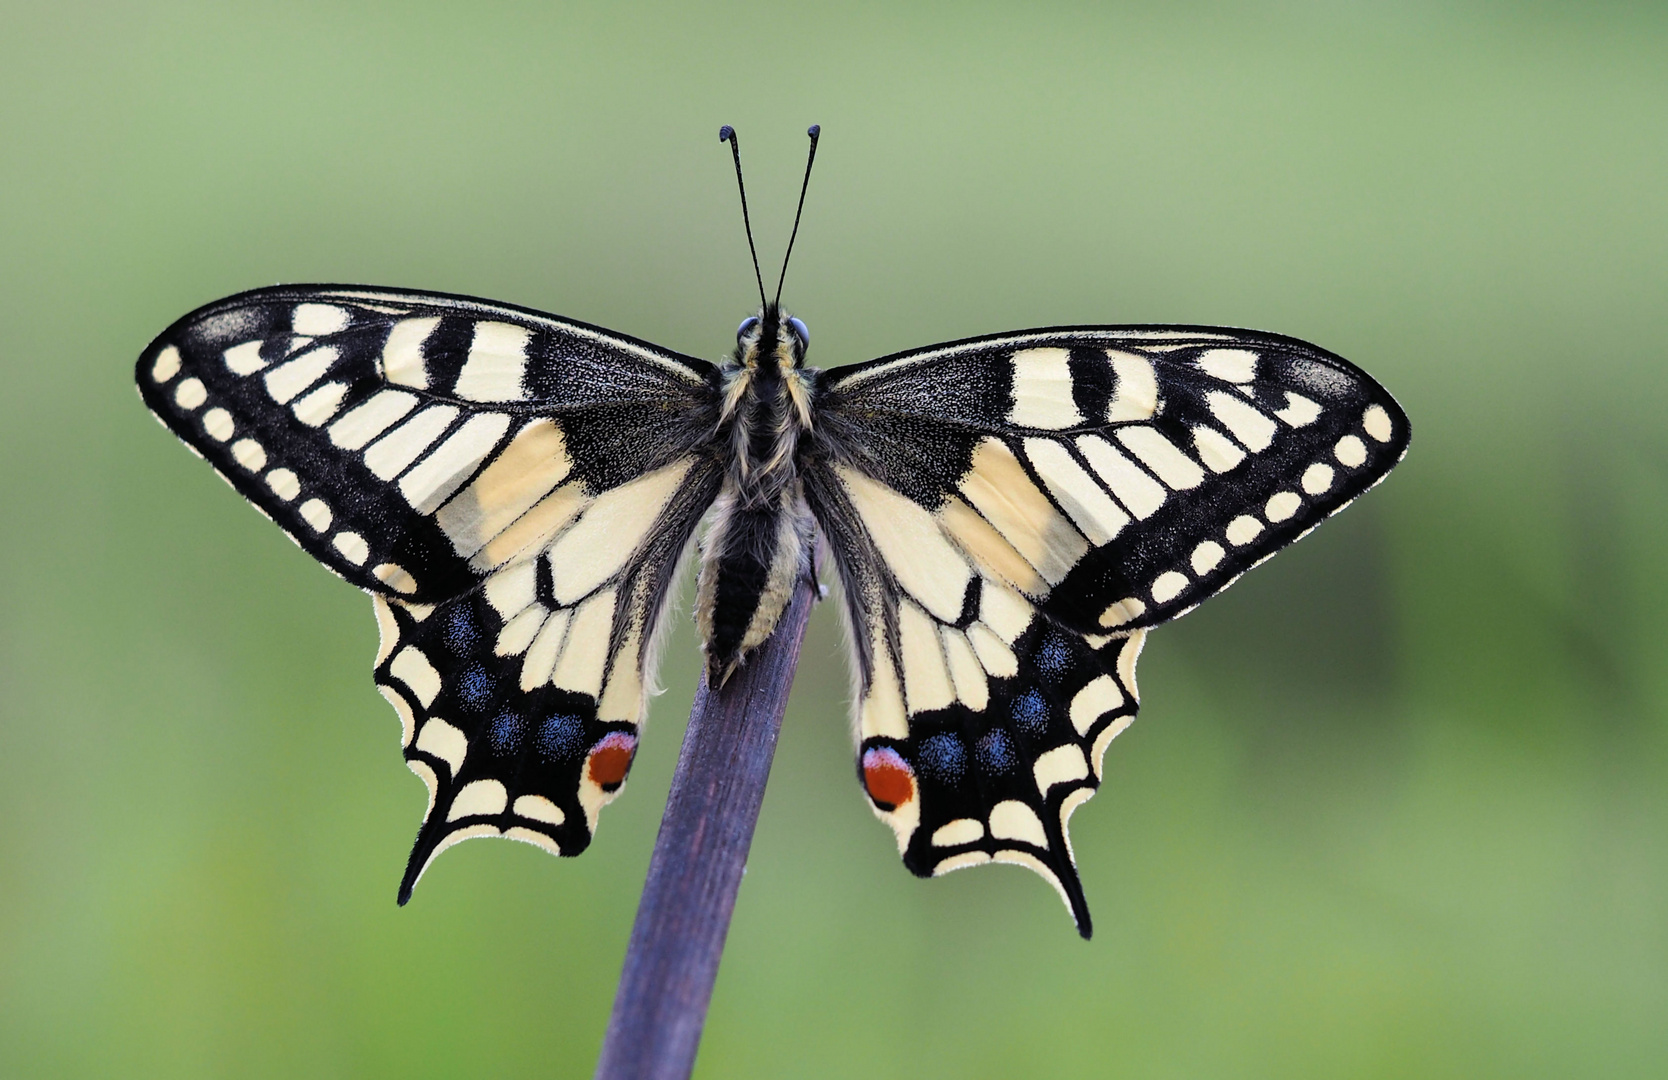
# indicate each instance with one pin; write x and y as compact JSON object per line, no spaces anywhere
{"x":514,"y":490}
{"x":521,"y":700}
{"x":1009,"y":515}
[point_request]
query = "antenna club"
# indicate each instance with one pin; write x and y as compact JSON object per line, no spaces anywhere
{"x":726,"y":133}
{"x":814,"y":130}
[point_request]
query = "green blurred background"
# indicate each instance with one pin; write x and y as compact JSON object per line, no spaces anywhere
{"x":1396,"y":803}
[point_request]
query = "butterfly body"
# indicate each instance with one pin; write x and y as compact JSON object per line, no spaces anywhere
{"x":1006,"y":517}
{"x":762,"y":533}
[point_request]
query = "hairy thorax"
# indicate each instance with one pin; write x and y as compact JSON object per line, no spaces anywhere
{"x":760,"y":534}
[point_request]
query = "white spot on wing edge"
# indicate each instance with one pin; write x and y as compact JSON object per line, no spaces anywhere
{"x":539,"y":808}
{"x":250,"y":454}
{"x":1013,"y":820}
{"x":1064,"y":764}
{"x":352,"y":546}
{"x":315,"y":513}
{"x":190,"y":393}
{"x":1282,"y":506}
{"x":1169,"y":585}
{"x":1095,"y":700}
{"x":1206,"y":557}
{"x":958,"y":832}
{"x":1376,"y":422}
{"x":219,"y":424}
{"x":412,"y":667}
{"x":1243,"y":529}
{"x":1350,"y":452}
{"x":478,"y":798}
{"x":1317,"y":478}
{"x":283,"y":483}
{"x":442,"y":740}
{"x":167,"y":364}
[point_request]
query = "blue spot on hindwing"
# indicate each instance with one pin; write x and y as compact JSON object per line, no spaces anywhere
{"x":995,"y":752}
{"x":458,"y":630}
{"x":1030,"y":712}
{"x":476,"y":688}
{"x":561,"y":737}
{"x":1053,"y":656}
{"x":505,"y":734}
{"x":942,"y":758}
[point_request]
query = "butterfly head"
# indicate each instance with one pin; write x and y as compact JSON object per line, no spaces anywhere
{"x":771,"y":337}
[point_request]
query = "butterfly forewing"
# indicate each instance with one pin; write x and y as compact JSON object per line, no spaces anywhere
{"x":357,"y":419}
{"x":1010,"y":514}
{"x":514,"y":489}
{"x":1125,"y":474}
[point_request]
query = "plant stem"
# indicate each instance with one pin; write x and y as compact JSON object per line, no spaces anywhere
{"x":699,"y":857}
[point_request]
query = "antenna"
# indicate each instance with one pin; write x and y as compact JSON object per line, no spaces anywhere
{"x":728,"y":134}
{"x":815,"y":131}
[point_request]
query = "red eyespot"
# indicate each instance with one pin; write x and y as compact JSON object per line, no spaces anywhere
{"x":610,"y":760}
{"x":888,"y":778}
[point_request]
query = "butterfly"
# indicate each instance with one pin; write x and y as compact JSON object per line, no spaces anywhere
{"x":1006,"y":517}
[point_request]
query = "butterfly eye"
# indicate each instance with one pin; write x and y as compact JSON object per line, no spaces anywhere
{"x":746,"y":325}
{"x":800,"y":332}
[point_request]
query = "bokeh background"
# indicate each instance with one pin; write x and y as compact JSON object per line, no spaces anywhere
{"x":1396,"y":803}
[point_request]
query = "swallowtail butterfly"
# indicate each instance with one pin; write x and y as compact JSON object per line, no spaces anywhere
{"x":1007,"y":517}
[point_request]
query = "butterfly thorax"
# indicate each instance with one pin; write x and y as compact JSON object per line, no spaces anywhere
{"x":760,"y":533}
